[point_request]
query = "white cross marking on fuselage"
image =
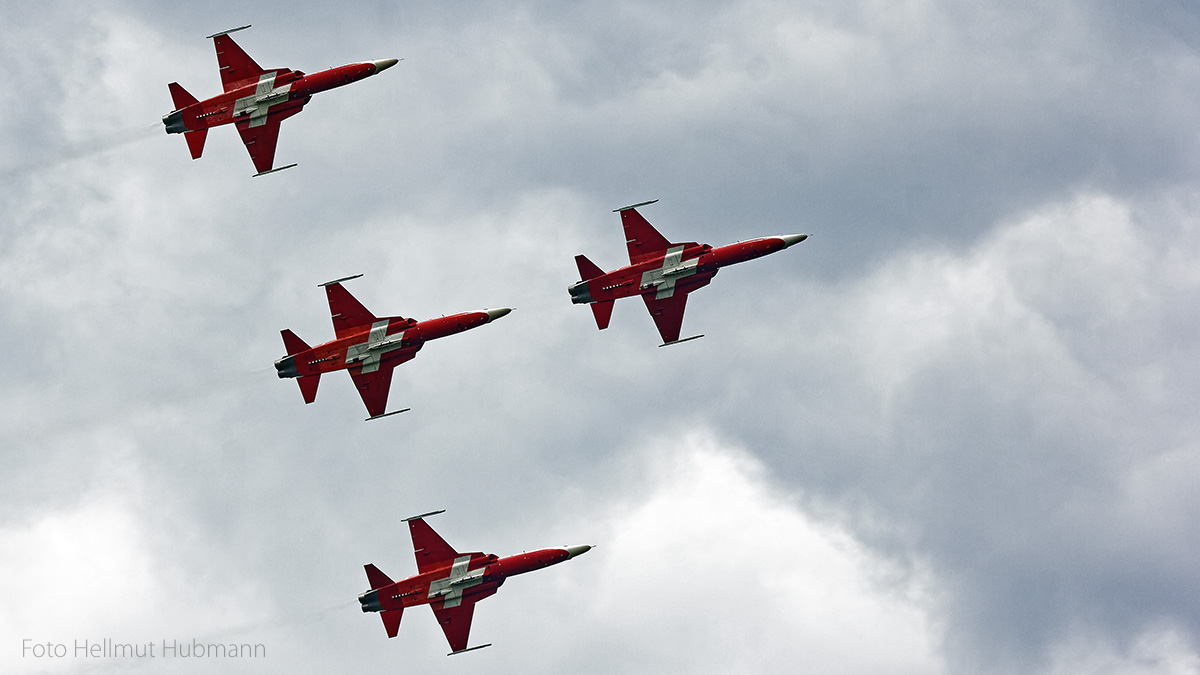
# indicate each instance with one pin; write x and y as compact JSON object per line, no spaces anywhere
{"x":452,"y":587}
{"x":370,"y":353}
{"x":258,"y":110}
{"x":672,"y":270}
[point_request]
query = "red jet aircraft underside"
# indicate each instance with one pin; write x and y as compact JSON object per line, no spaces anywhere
{"x":450,"y":582}
{"x":367,"y":346}
{"x":662,"y":273}
{"x":255,"y":100}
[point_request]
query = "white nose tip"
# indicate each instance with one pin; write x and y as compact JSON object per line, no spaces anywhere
{"x":384,"y":64}
{"x":494,"y":314}
{"x":792,"y":239}
{"x":573,"y":551}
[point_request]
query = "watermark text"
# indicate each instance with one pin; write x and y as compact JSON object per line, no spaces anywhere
{"x":166,"y":648}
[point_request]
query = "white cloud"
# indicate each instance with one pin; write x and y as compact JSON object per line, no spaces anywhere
{"x":1158,"y":651}
{"x":101,"y":567}
{"x":710,"y":568}
{"x":1020,"y":413}
{"x":990,"y":377}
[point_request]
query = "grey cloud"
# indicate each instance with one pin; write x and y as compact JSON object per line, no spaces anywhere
{"x":969,"y":368}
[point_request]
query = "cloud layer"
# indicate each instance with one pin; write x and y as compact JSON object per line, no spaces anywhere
{"x":953,"y":431}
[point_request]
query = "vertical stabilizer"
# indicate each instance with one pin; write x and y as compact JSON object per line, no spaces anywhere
{"x":376,"y":577}
{"x":293,"y":343}
{"x":183,"y":119}
{"x":587,"y":269}
{"x":371,"y":602}
{"x":180,"y":96}
{"x":287,"y":365}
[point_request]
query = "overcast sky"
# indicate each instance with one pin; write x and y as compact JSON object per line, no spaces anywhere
{"x":955,"y":431}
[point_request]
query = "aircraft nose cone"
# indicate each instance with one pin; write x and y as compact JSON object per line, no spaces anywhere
{"x":573,"y":551}
{"x":792,"y":239}
{"x":384,"y":64}
{"x":494,"y":314}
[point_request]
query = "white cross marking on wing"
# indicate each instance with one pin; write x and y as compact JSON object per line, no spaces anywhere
{"x":452,"y":587}
{"x":258,"y":104}
{"x":378,"y":343}
{"x":672,"y":270}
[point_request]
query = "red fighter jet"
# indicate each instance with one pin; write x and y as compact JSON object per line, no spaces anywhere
{"x":662,"y":273}
{"x":368,"y":346}
{"x":255,"y":100}
{"x":450,"y":582}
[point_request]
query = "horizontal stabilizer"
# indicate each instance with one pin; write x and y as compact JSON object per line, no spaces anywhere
{"x":377,"y":578}
{"x":180,"y":96}
{"x":308,"y":386}
{"x":195,"y":141}
{"x":603,"y":312}
{"x":292,"y":342}
{"x":391,"y":620}
{"x":587,"y":269}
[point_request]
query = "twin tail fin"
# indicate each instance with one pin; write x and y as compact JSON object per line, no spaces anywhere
{"x":176,"y":122}
{"x":308,"y":383}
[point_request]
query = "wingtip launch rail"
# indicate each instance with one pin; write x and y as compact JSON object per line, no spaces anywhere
{"x":686,"y":339}
{"x":227,"y":32}
{"x":338,"y":281}
{"x":468,"y":649}
{"x":394,"y":412}
{"x":423,"y":515}
{"x":263,"y":173}
{"x":634,"y":206}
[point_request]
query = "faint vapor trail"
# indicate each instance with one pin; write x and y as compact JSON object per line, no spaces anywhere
{"x":82,"y":150}
{"x":312,"y":616}
{"x":128,"y":665}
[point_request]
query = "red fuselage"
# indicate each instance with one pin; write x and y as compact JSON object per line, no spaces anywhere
{"x":681,"y":268}
{"x":379,"y":344}
{"x":454,"y":582}
{"x":275,"y":91}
